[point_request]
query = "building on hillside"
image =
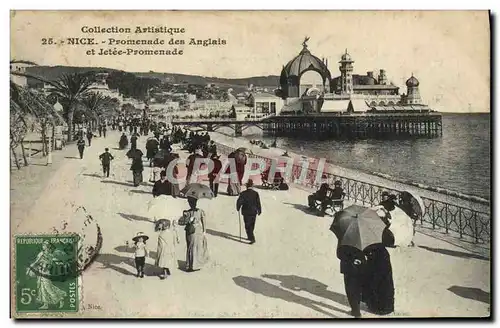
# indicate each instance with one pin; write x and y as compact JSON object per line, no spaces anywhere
{"x":212,"y":105}
{"x":19,"y":68}
{"x":242,"y":111}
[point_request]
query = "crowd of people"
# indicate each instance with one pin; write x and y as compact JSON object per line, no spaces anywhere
{"x":367,"y":273}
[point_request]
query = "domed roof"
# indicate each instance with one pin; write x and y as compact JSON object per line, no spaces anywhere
{"x":412,"y":82}
{"x":346,"y":57}
{"x":303,"y":62}
{"x":58,"y":107}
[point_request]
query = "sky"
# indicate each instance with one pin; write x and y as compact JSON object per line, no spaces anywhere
{"x":448,"y":51}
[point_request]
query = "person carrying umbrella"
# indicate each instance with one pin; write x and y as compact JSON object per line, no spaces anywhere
{"x":195,"y":227}
{"x":364,"y":261}
{"x":137,"y":167}
{"x":151,"y":148}
{"x":249,"y":204}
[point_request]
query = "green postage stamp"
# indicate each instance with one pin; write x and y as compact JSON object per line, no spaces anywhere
{"x":46,"y":273}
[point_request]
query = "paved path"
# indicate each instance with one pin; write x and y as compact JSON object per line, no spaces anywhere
{"x":291,"y":271}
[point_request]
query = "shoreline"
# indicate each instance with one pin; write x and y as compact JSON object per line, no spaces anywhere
{"x":384,"y":180}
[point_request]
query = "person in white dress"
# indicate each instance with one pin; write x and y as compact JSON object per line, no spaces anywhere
{"x":167,"y":239}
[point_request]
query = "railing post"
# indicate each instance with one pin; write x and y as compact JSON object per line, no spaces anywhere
{"x":433,"y":219}
{"x":446,"y":217}
{"x":460,"y":221}
{"x":476,"y":232}
{"x":363,"y":195}
{"x":348,"y":189}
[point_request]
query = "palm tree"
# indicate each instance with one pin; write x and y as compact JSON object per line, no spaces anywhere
{"x":71,"y":89}
{"x":98,"y":106}
{"x":26,"y":105}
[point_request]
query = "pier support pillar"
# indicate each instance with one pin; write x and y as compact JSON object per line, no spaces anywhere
{"x":238,"y":130}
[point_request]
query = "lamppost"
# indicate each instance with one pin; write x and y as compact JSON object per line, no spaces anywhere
{"x":49,"y":150}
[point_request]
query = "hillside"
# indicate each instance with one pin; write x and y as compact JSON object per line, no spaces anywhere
{"x":53,"y":72}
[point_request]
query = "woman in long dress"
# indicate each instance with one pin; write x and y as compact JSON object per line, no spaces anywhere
{"x":399,"y":224}
{"x":378,"y":284}
{"x":47,"y":292}
{"x":167,"y":238}
{"x":175,"y":189}
{"x":196,"y":241}
{"x":240,"y":159}
{"x":137,"y":167}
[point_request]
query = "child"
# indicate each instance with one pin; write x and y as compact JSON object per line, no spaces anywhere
{"x":140,"y":253}
{"x":166,"y":246}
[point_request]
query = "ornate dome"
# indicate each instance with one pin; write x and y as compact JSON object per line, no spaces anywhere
{"x":58,"y":107}
{"x":305,"y":61}
{"x":346,"y":57}
{"x":412,"y":82}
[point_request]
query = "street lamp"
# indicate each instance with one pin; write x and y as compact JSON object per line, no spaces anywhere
{"x":49,"y":149}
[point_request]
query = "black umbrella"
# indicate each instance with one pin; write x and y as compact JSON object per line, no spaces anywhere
{"x":358,"y":227}
{"x":134,"y":153}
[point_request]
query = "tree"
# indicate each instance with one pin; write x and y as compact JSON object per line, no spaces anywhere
{"x":26,"y":105}
{"x":97,"y":106}
{"x":71,"y":89}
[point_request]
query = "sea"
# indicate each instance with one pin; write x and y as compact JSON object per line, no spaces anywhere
{"x":458,"y":161}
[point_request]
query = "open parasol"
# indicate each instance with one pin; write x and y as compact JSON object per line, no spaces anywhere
{"x":358,"y":227}
{"x":157,"y":207}
{"x":416,"y":202}
{"x":198,"y":191}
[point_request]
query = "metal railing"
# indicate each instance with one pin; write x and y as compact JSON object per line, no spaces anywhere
{"x":440,"y":215}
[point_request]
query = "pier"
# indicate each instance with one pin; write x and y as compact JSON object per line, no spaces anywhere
{"x":211,"y":125}
{"x":361,"y":125}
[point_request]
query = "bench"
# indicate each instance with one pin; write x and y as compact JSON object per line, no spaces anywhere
{"x":333,"y":205}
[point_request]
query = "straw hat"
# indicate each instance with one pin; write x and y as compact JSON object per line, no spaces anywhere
{"x":140,"y":235}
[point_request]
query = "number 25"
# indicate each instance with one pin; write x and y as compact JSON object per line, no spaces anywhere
{"x":47,"y":41}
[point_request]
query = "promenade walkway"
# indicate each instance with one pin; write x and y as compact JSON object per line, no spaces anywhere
{"x":291,"y":271}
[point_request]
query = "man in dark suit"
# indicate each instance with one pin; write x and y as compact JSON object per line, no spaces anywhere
{"x":352,"y":266}
{"x":162,"y":186}
{"x":106,"y":159}
{"x":81,"y":146}
{"x":249,"y":203}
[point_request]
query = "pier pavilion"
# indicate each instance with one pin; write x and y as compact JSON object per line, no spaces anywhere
{"x":349,"y":106}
